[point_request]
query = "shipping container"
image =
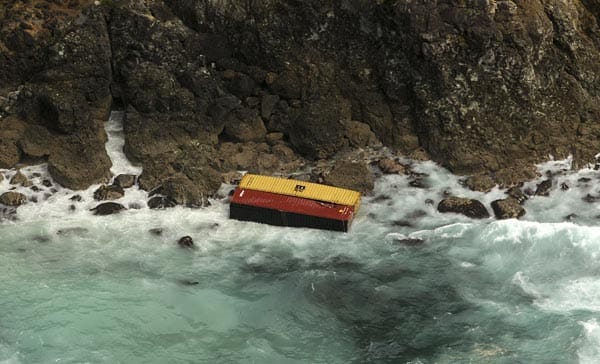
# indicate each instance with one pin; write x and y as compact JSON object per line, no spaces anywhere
{"x":286,"y":210}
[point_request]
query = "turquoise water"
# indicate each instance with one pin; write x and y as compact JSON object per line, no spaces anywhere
{"x":77,"y":288}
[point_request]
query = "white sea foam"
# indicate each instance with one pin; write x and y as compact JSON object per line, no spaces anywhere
{"x":589,"y":352}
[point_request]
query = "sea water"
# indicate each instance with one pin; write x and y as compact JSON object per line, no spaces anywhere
{"x":78,"y":288}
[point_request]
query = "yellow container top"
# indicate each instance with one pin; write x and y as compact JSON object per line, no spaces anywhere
{"x":309,"y":190}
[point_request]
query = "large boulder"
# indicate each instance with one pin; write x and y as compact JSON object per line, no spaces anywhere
{"x":80,"y":163}
{"x":465,"y":206}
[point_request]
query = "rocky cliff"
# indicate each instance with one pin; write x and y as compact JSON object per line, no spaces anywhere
{"x":486,"y":87}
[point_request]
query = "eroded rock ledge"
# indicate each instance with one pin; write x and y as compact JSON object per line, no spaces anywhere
{"x":486,"y":88}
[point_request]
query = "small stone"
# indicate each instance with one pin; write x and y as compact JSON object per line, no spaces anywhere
{"x":186,"y":242}
{"x":72,"y":207}
{"x":35,"y":188}
{"x":564,"y":186}
{"x":47,"y":183}
{"x":589,"y":198}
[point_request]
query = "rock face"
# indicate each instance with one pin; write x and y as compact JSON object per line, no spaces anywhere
{"x":468,"y":207}
{"x":508,"y":208}
{"x":355,"y":176}
{"x":482,"y":86}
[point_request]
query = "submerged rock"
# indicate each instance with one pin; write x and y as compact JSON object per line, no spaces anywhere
{"x":107,"y":208}
{"x":156,"y":231}
{"x":186,"y":242}
{"x":466,"y":206}
{"x":508,"y":208}
{"x":390,"y":166}
{"x":12,"y":198}
{"x":72,"y":231}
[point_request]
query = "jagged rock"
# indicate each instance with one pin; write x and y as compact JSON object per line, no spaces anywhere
{"x":9,"y":154}
{"x":466,"y":206}
{"x":564,"y":186}
{"x":20,"y":179}
{"x":109,"y":192}
{"x":508,"y":208}
{"x":543,"y":188}
{"x":390,"y":166}
{"x":125,"y":180}
{"x":47,"y":183}
{"x":108,"y":208}
{"x":186,"y":242}
{"x":12,"y":198}
{"x":355,"y":176}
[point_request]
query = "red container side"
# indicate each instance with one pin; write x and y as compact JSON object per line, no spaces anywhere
{"x":292,"y":204}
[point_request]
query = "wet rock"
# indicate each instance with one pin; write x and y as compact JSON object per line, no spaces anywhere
{"x":429,"y":202}
{"x":186,"y":242}
{"x":584,"y":180}
{"x":109,"y":192}
{"x":418,"y":182}
{"x":47,"y":183}
{"x":589,"y":198}
{"x":76,"y":198}
{"x":125,"y":180}
{"x":33,"y":199}
{"x":20,"y":179}
{"x":161,"y":202}
{"x":381,"y":198}
{"x":355,"y":176}
{"x":465,"y":206}
{"x":134,"y":206}
{"x":12,"y":198}
{"x":72,"y":208}
{"x":402,"y":223}
{"x":508,"y":208}
{"x":543,"y":188}
{"x":41,"y":239}
{"x":390,"y":166}
{"x":107,"y":208}
{"x":35,"y":188}
{"x":564,"y":186}
{"x":517,"y":194}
